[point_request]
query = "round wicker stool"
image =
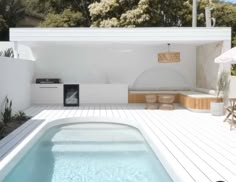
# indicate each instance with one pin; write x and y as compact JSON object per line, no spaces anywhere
{"x":151,"y":102}
{"x":166,"y":102}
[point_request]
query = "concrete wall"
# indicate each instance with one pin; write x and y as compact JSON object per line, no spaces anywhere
{"x":206,"y":68}
{"x":15,"y":82}
{"x":115,"y":63}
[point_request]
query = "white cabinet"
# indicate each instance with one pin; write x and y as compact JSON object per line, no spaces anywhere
{"x":47,"y":93}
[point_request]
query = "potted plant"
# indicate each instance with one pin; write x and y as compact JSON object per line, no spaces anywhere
{"x":217,"y":107}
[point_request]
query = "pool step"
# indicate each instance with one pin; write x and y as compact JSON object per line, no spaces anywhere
{"x":95,"y":147}
{"x":97,"y":135}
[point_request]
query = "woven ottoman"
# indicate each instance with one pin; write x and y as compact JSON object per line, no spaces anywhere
{"x":151,"y":102}
{"x":166,"y":102}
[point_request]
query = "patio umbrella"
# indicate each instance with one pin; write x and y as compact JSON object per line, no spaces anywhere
{"x":228,"y":57}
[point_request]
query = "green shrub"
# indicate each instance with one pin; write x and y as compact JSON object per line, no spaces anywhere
{"x":233,"y":70}
{"x":7,"y":53}
{"x":20,"y":117}
{"x":7,"y":113}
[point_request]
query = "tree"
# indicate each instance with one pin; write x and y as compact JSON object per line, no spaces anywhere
{"x":68,"y":18}
{"x":122,"y":13}
{"x":138,"y":16}
{"x":41,"y":8}
{"x":3,"y":24}
{"x":225,"y":15}
{"x":11,"y":11}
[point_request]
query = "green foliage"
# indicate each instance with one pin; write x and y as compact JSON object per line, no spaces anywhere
{"x":7,"y":113}
{"x":11,"y":11}
{"x":2,"y":130}
{"x":3,"y":25}
{"x":136,"y":17}
{"x":110,"y":22}
{"x":234,"y":41}
{"x":233,"y":70}
{"x":7,"y":53}
{"x":41,"y":8}
{"x":175,"y":13}
{"x":68,"y":18}
{"x":103,"y":9}
{"x":8,"y":123}
{"x":225,"y":15}
{"x":20,"y":117}
{"x":114,"y":13}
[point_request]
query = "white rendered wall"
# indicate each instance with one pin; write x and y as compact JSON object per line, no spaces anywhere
{"x":111,"y":63}
{"x":15,"y":82}
{"x":207,"y":69}
{"x":24,"y":52}
{"x":103,"y":94}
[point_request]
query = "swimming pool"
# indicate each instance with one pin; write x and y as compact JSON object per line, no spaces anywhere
{"x":89,"y":152}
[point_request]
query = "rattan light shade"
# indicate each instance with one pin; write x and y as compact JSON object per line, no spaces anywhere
{"x":169,"y":57}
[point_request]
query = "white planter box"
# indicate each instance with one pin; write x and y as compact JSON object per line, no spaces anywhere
{"x":217,"y":108}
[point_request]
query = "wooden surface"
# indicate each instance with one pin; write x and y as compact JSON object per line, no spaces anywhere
{"x":140,"y":98}
{"x":196,"y":103}
{"x":193,"y":103}
{"x":198,"y":145}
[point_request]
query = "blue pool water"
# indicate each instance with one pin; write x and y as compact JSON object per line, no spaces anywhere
{"x":89,"y":153}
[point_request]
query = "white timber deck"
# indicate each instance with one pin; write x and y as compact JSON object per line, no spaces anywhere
{"x":197,"y":144}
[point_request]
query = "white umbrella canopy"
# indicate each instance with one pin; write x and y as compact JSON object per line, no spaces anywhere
{"x":228,"y":57}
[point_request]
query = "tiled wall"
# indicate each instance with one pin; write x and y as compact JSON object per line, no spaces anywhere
{"x":206,"y":68}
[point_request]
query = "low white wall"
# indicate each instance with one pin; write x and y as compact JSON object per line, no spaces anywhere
{"x":103,"y":93}
{"x":15,"y":82}
{"x":114,"y":63}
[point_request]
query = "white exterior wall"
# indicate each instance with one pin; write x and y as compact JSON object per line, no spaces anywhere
{"x":112,"y":63}
{"x":103,"y":94}
{"x":15,"y":82}
{"x":207,"y":69}
{"x":20,"y":51}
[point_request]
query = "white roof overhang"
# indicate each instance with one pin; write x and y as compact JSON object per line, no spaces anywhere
{"x":149,"y":35}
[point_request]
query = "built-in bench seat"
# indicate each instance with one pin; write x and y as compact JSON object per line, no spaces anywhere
{"x":192,"y":100}
{"x":196,"y":101}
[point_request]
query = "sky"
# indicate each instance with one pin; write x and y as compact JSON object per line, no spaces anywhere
{"x":233,"y":1}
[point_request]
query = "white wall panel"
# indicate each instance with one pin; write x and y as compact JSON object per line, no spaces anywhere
{"x":113,"y":63}
{"x":15,"y":82}
{"x":103,"y":93}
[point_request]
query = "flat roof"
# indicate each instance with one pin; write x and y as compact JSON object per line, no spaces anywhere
{"x":160,"y":35}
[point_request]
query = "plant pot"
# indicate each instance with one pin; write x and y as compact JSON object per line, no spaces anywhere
{"x":217,"y":108}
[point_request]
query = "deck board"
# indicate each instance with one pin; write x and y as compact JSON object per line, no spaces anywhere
{"x":199,"y":144}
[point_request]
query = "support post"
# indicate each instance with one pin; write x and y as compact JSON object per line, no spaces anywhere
{"x":194,"y":14}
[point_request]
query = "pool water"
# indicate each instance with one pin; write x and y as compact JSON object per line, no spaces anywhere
{"x":89,"y":153}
